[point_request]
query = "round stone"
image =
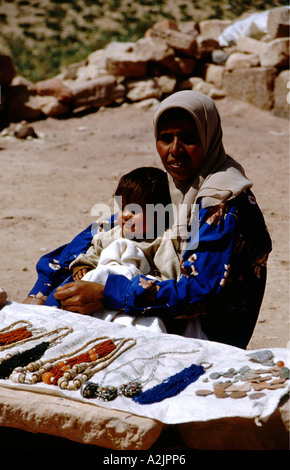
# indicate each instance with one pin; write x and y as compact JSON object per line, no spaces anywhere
{"x":215,"y":375}
{"x":203,"y":393}
{"x":238,"y":394}
{"x":256,"y":396}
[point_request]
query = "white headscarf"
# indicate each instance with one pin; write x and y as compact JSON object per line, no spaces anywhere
{"x":219,"y":177}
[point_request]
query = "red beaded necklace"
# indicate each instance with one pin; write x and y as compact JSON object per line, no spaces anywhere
{"x":14,"y":336}
{"x":97,"y":352}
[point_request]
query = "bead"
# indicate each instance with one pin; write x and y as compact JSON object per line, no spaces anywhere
{"x":280,"y":364}
{"x":107,"y":393}
{"x":94,"y":356}
{"x":89,"y":390}
{"x":21,"y":378}
{"x":69,"y":374}
{"x":77,"y":382}
{"x":131,"y":389}
{"x":62,"y":383}
{"x":47,"y":378}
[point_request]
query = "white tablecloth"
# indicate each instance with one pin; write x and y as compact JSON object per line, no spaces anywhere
{"x":182,"y":352}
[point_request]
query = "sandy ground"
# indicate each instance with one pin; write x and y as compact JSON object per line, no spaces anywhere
{"x":50,"y":185}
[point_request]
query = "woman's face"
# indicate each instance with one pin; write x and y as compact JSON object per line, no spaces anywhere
{"x":179,"y":147}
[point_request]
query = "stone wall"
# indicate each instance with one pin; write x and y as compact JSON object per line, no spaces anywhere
{"x":168,"y":58}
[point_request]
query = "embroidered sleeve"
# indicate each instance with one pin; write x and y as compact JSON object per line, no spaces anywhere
{"x":208,"y":266}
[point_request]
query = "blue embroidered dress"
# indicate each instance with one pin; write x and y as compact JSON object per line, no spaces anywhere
{"x":223,"y":277}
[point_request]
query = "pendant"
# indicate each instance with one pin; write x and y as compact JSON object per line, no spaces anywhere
{"x":94,"y":390}
{"x":131,"y":389}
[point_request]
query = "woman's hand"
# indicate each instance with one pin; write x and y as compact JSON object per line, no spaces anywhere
{"x":35,"y":300}
{"x":81,"y":296}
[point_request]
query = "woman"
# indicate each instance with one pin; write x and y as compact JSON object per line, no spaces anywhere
{"x":223,"y":256}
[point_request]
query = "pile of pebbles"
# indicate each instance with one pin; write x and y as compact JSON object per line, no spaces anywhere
{"x":247,"y":381}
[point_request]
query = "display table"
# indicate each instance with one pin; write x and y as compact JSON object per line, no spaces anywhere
{"x":253,"y":419}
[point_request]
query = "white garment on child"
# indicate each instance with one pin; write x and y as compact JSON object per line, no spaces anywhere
{"x":124,"y":257}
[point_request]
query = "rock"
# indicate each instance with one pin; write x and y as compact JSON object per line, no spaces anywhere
{"x":3,"y":297}
{"x":70,"y":73}
{"x":205,"y":46}
{"x":219,"y":57}
{"x":276,"y":53}
{"x":198,"y":84}
{"x":149,"y":104}
{"x":126,"y":64}
{"x":213,"y":28}
{"x":24,"y":131}
{"x":50,"y":106}
{"x":21,"y":105}
{"x":154,"y":50}
{"x":252,"y":84}
{"x":164,"y":25}
{"x":96,"y":93}
{"x":239,"y":59}
{"x":250,"y":45}
{"x":53,"y":87}
{"x":279,"y":22}
{"x":7,"y":70}
{"x":79,"y":422}
{"x":143,"y":89}
{"x":182,"y":66}
{"x":281,"y":94}
{"x":215,"y":75}
{"x":166,"y":84}
{"x":182,"y":43}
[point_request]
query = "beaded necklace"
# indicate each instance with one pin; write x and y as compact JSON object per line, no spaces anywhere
{"x":22,"y":359}
{"x":9,"y":336}
{"x":133,"y":389}
{"x":75,"y":369}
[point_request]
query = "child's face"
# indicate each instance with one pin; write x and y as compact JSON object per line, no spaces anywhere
{"x":133,"y":221}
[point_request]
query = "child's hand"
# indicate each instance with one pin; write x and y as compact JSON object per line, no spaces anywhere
{"x":80,"y":274}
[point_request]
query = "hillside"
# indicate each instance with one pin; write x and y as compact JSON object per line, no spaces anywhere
{"x":45,"y":36}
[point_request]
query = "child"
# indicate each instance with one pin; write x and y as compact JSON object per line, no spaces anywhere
{"x":138,"y":193}
{"x":134,"y":246}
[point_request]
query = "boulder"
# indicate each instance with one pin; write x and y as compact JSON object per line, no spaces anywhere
{"x":252,"y":84}
{"x":96,"y":93}
{"x":276,"y":53}
{"x":198,"y":84}
{"x":21,"y":105}
{"x":213,"y":28}
{"x":181,"y":66}
{"x":182,"y":43}
{"x":7,"y":70}
{"x":53,"y":87}
{"x":239,"y":59}
{"x":250,"y":45}
{"x":78,"y":422}
{"x":215,"y":74}
{"x":282,"y":94}
{"x":50,"y":106}
{"x":126,"y":64}
{"x":166,"y":84}
{"x":143,"y":89}
{"x":205,"y":46}
{"x":154,"y":50}
{"x":279,"y":22}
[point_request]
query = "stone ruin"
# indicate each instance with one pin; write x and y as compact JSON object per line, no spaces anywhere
{"x":170,"y":57}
